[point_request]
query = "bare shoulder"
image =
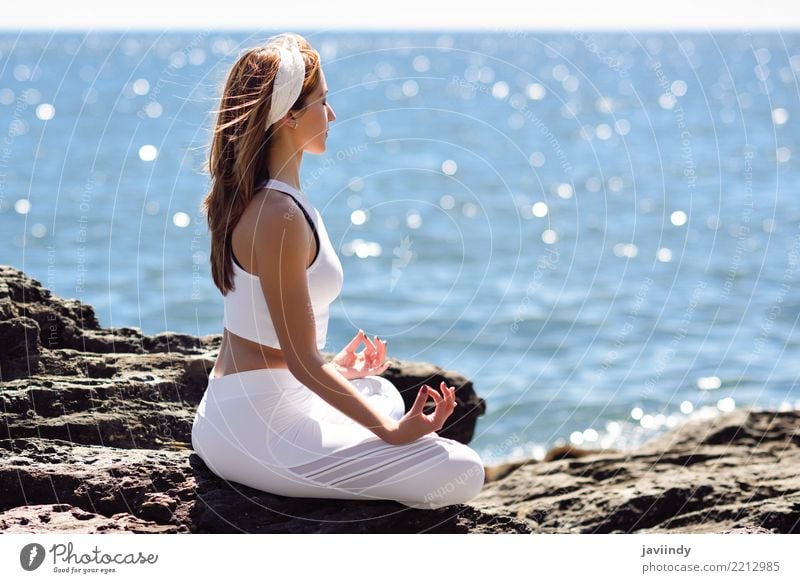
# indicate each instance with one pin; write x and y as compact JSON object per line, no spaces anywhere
{"x":273,"y":217}
{"x":269,"y":207}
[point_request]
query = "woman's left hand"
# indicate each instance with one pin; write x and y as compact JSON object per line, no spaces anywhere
{"x":370,"y":361}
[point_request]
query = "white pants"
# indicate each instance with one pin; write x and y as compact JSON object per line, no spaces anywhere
{"x":264,"y":429}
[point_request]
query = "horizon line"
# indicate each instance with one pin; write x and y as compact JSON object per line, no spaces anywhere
{"x":398,"y":30}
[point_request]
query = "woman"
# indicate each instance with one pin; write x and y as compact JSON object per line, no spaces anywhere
{"x":276,"y":416}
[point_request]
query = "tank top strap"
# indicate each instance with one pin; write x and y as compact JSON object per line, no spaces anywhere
{"x":276,"y":184}
{"x":305,"y":205}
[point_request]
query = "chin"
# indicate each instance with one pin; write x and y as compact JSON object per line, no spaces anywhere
{"x":316,"y":148}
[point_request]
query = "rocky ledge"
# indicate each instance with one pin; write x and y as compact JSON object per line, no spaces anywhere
{"x":95,"y":428}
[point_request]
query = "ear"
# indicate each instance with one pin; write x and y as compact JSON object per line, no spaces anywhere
{"x":289,"y":121}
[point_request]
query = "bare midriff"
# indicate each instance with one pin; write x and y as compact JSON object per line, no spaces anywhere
{"x":237,"y":354}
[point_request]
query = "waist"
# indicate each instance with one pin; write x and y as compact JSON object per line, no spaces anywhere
{"x":252,"y":383}
{"x":249,"y":354}
{"x":248,"y":400}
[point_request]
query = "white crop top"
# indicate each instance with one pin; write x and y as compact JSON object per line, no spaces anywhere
{"x":246,"y":312}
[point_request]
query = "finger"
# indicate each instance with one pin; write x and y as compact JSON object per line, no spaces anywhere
{"x":368,"y":349}
{"x":440,"y":414}
{"x":419,"y":402}
{"x":378,"y":351}
{"x":375,"y":352}
{"x":437,"y":398}
{"x":359,"y":360}
{"x":378,"y":368}
{"x":445,"y":394}
{"x":381,"y":349}
{"x":451,"y":395}
{"x":449,"y":402}
{"x":345,"y":356}
{"x":353,"y":344}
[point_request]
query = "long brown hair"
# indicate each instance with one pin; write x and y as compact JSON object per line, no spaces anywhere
{"x":237,"y":161}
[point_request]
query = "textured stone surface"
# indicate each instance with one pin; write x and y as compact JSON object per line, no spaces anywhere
{"x":95,"y":436}
{"x":53,"y":485}
{"x":736,"y":471}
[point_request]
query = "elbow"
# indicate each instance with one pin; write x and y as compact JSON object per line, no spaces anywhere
{"x":302,"y":364}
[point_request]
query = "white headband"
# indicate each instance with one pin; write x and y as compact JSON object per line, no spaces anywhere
{"x":289,"y":80}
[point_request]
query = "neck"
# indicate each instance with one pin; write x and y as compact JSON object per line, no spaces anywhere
{"x":284,"y":160}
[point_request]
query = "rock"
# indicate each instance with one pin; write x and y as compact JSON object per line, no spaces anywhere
{"x":96,"y":437}
{"x":63,"y":518}
{"x":737,"y":473}
{"x":54,"y":485}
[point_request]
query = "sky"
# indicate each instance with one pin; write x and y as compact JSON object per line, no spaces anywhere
{"x":332,"y":15}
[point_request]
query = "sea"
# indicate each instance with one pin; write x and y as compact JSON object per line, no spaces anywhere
{"x":599,"y":229}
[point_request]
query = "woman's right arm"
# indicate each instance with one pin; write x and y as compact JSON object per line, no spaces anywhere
{"x":282,"y":247}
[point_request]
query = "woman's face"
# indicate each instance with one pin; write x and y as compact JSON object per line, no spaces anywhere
{"x":312,"y":122}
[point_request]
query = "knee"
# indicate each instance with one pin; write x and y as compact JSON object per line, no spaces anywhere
{"x":391,"y":400}
{"x":462,"y":481}
{"x":385,"y":384}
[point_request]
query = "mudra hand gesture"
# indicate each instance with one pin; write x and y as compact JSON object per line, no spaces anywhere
{"x":370,"y":361}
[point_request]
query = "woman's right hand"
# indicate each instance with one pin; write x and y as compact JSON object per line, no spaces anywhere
{"x":414,"y":424}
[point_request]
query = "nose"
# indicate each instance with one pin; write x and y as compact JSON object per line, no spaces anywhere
{"x":331,"y":115}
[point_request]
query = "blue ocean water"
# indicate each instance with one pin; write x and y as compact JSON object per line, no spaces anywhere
{"x":600,"y":230}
